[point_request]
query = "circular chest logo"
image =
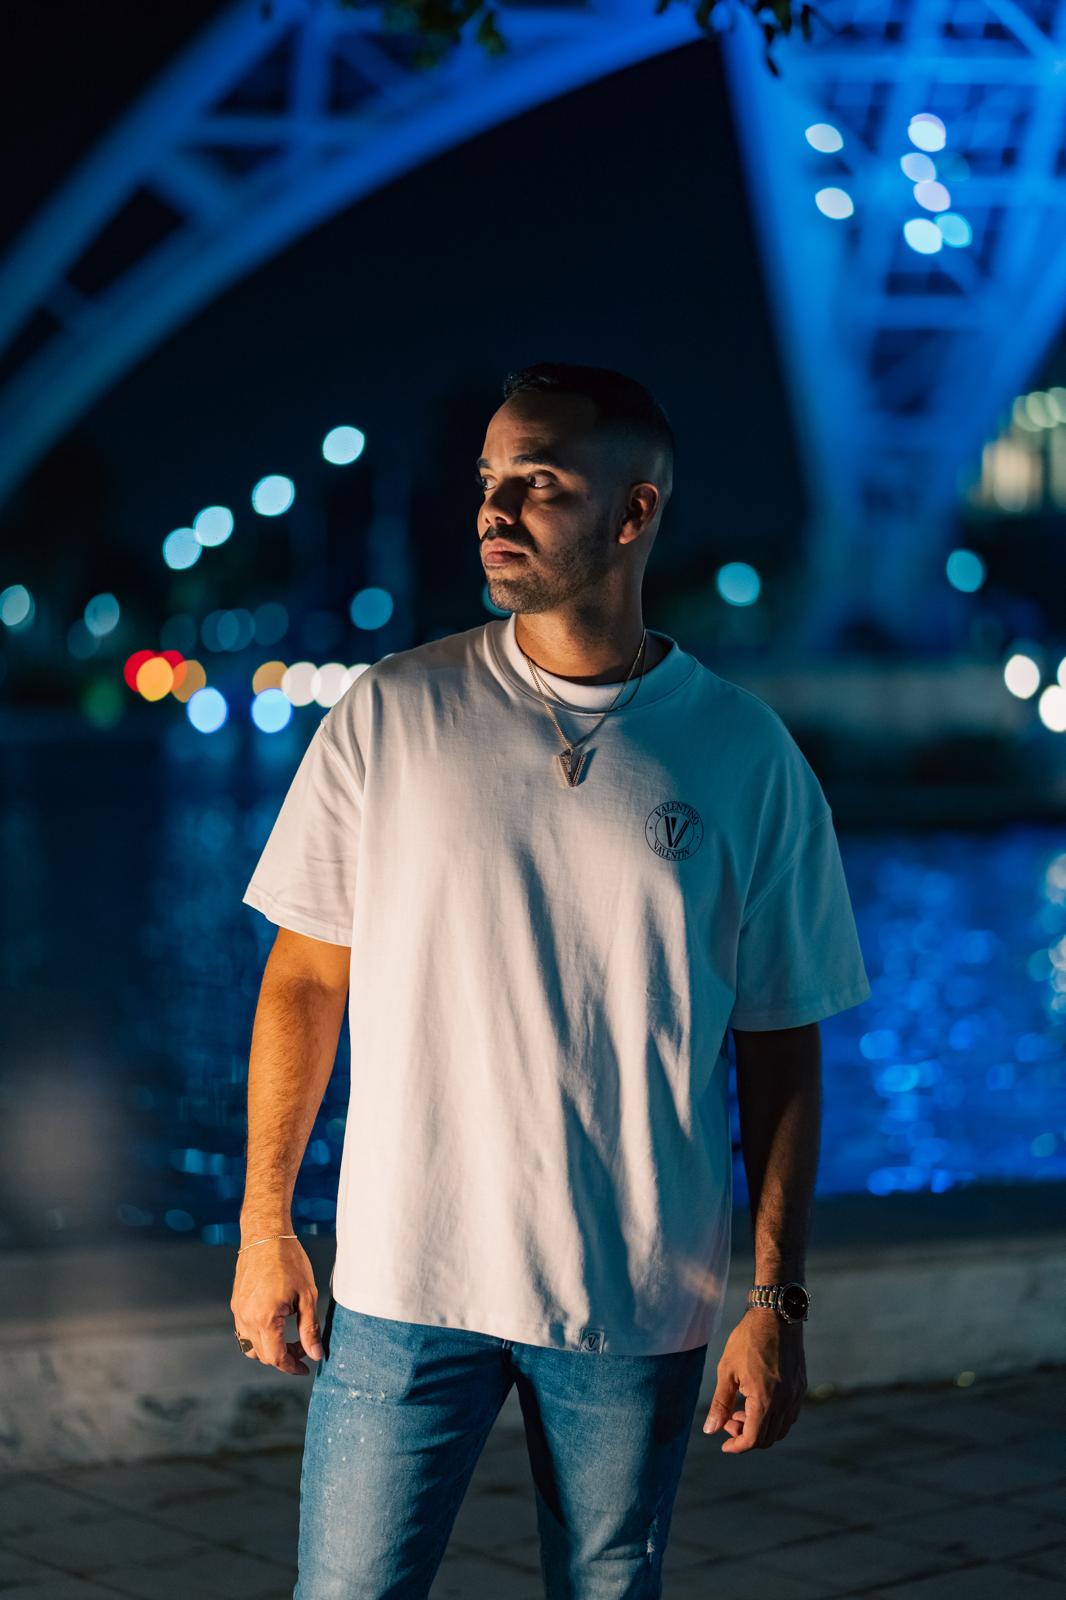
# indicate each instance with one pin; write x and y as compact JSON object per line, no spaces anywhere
{"x":674,"y":830}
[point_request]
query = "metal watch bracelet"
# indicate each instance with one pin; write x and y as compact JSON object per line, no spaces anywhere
{"x":771,"y":1297}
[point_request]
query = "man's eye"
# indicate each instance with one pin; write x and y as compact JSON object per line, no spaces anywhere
{"x":532,"y":485}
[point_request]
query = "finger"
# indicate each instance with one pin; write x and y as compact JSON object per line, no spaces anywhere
{"x":270,"y":1342}
{"x":722,"y":1402}
{"x":308,"y":1328}
{"x":754,"y":1412}
{"x":249,"y":1353}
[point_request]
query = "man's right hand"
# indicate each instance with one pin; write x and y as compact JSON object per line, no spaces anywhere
{"x":272,"y":1282}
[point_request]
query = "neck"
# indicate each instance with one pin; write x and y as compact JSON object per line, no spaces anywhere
{"x":567,"y":650}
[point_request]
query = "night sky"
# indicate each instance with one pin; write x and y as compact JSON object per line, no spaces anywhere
{"x":610,"y":226}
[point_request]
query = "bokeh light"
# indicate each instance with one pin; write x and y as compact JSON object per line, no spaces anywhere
{"x":268,"y":676}
{"x":965,"y":570}
{"x":329,"y":683}
{"x":207,"y":710}
{"x":371,"y":608}
{"x":923,"y":235}
{"x":181,"y":549}
{"x":133,"y":665}
{"x":1022,"y":676}
{"x":297,"y":682}
{"x":273,"y":494}
{"x":955,"y":229}
{"x":835,"y":203}
{"x":932,"y":196}
{"x":213,"y":525}
{"x":738,"y":583}
{"x":824,"y":137}
{"x":16,"y":605}
{"x":1052,"y":708}
{"x":271,"y":710}
{"x":927,"y":131}
{"x":343,"y":445}
{"x":101,"y":615}
{"x":189,"y":676}
{"x":155,"y":678}
{"x":918,"y":168}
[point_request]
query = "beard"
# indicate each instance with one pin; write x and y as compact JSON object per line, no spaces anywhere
{"x":581,"y":565}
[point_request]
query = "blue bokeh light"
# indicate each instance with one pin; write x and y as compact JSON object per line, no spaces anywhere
{"x":835,"y":203}
{"x":271,"y":710}
{"x":16,"y":605}
{"x":923,"y":236}
{"x":213,"y":525}
{"x":207,"y":710}
{"x":824,"y":137}
{"x":965,"y":570}
{"x":371,"y":608}
{"x":101,"y":615}
{"x":343,"y":445}
{"x":273,"y":494}
{"x":738,"y":583}
{"x":181,"y":549}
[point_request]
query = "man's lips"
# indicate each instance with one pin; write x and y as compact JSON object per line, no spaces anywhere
{"x":495,"y":553}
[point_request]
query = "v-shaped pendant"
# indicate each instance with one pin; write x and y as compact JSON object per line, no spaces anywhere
{"x":570,"y":764}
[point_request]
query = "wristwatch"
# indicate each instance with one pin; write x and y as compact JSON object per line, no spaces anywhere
{"x":791,"y":1301}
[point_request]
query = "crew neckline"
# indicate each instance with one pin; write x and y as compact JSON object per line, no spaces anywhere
{"x":669,"y":674}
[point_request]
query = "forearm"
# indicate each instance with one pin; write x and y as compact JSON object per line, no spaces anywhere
{"x":779,"y":1098}
{"x":294,"y":1045}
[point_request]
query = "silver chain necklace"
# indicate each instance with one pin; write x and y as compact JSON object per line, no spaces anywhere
{"x":569,"y":761}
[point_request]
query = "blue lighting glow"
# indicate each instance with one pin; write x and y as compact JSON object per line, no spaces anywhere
{"x":273,"y":495}
{"x":927,"y":131}
{"x":181,"y":549}
{"x":16,"y":605}
{"x":271,"y":710}
{"x":923,"y":236}
{"x":213,"y":525}
{"x":490,"y":605}
{"x":371,"y":608}
{"x":824,"y":137}
{"x":932,"y":196}
{"x":955,"y":229}
{"x":918,"y":168}
{"x":207,"y":710}
{"x":738,"y":583}
{"x":835,"y":203}
{"x":101,"y":615}
{"x":343,"y":445}
{"x":965,"y":570}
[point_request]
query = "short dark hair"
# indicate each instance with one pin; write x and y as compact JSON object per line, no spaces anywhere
{"x":620,"y":401}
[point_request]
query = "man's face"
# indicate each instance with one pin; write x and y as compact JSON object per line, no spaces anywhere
{"x":542,"y":475}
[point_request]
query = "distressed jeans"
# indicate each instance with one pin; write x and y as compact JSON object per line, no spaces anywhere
{"x":399,"y":1414}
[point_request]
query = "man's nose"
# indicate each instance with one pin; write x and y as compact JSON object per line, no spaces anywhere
{"x":498,"y":507}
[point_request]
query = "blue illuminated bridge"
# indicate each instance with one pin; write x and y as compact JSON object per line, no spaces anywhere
{"x":905,"y":173}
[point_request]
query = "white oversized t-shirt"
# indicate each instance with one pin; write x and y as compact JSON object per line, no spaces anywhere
{"x":537,"y":1144}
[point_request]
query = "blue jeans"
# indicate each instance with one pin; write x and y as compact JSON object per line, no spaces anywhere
{"x":399,"y":1414}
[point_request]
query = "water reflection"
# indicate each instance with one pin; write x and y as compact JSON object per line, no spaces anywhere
{"x":130,"y":971}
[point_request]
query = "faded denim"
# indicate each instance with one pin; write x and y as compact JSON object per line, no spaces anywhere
{"x":399,"y":1414}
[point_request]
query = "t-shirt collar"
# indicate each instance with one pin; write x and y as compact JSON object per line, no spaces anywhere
{"x":662,"y":679}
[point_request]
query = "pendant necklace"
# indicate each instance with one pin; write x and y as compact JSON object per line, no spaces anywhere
{"x":569,"y":761}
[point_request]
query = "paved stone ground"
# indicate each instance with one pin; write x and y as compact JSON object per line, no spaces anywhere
{"x":913,"y":1493}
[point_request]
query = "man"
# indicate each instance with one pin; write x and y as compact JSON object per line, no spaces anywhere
{"x":554,"y":858}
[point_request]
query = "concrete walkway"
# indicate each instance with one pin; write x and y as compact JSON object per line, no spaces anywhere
{"x":919,"y":1492}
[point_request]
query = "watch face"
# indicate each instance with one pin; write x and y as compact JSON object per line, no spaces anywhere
{"x":794,"y":1301}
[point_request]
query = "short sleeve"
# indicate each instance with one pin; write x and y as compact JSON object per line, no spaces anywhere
{"x":305,"y":876}
{"x":798,"y":953}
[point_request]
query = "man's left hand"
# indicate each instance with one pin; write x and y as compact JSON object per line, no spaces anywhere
{"x":764,"y":1360}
